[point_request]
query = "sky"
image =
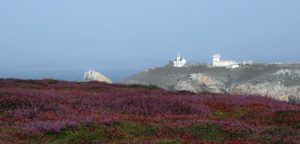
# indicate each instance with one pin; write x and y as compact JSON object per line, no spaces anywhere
{"x":63,"y":38}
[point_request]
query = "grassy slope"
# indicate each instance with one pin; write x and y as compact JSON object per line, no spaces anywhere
{"x":167,"y":77}
{"x":51,"y":111}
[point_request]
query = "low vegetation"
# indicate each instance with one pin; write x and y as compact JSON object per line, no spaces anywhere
{"x":56,"y":112}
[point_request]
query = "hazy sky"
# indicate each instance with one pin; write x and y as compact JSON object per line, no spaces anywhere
{"x":117,"y":35}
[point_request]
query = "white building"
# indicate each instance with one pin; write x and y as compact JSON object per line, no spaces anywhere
{"x":179,"y":61}
{"x":247,"y":62}
{"x":217,"y":62}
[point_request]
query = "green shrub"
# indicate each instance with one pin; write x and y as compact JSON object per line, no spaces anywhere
{"x":85,"y":134}
{"x":281,"y":131}
{"x":208,"y":132}
{"x":166,"y":141}
{"x":139,"y":129}
{"x":290,"y":118}
{"x":221,"y":114}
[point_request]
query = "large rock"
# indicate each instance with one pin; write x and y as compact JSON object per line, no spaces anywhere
{"x":282,"y":85}
{"x":92,"y":75}
{"x":201,"y":83}
{"x":185,"y":86}
{"x":274,"y":90}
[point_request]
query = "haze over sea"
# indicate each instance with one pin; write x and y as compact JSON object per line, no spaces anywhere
{"x":63,"y":39}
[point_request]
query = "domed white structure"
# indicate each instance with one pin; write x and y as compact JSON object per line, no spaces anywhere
{"x":179,"y":61}
{"x":93,"y":75}
{"x":217,"y":62}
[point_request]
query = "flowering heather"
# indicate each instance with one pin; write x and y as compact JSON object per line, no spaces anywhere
{"x":36,"y":127}
{"x":51,"y":111}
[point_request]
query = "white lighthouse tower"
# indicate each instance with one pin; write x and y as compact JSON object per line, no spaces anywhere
{"x":179,"y":61}
{"x":216,"y":59}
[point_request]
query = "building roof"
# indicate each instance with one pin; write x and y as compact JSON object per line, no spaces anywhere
{"x":216,"y":54}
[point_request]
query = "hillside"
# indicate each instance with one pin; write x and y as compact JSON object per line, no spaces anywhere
{"x":280,"y":81}
{"x":50,"y":111}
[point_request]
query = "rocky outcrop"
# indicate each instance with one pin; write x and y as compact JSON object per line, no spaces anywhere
{"x":201,"y":83}
{"x":281,"y":82}
{"x":92,"y":75}
{"x":274,"y":90}
{"x":185,"y":86}
{"x":287,"y":72}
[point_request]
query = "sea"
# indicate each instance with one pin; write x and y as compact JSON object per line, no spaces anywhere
{"x":116,"y":75}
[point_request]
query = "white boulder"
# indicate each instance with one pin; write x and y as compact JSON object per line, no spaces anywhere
{"x":93,"y":75}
